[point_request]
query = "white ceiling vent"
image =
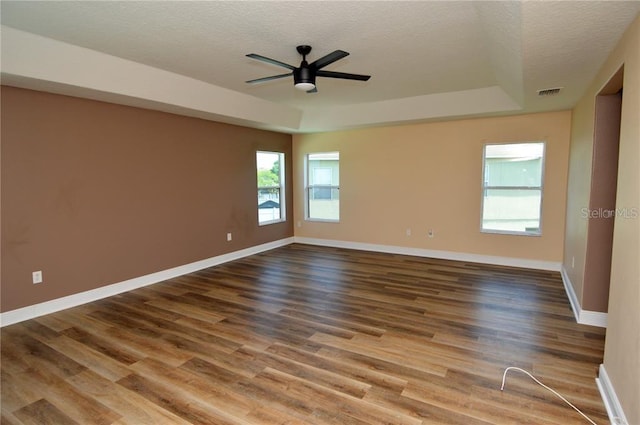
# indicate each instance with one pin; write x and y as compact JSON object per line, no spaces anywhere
{"x":549,"y":92}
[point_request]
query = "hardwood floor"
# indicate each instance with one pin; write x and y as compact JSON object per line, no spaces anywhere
{"x":310,"y":335}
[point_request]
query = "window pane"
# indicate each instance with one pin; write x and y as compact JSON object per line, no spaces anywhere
{"x":321,"y":192}
{"x":270,"y":185}
{"x":517,"y":164}
{"x":504,"y":172}
{"x":268,"y":169}
{"x":512,"y":210}
{"x":513,"y":165}
{"x":323,"y":169}
{"x":324,"y":203}
{"x":268,"y":205}
{"x":321,"y":175}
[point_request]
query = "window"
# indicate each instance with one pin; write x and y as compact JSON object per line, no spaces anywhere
{"x":323,"y":186}
{"x":512,"y":188}
{"x":270,"y":187}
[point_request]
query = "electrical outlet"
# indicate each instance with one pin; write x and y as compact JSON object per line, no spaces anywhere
{"x":229,"y":237}
{"x":37,"y":277}
{"x":431,"y":233}
{"x":408,"y":232}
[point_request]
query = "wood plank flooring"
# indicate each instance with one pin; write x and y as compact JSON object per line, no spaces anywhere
{"x":310,"y":335}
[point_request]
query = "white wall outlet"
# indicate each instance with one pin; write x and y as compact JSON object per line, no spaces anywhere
{"x":299,"y":223}
{"x":408,"y":232}
{"x":229,"y":237}
{"x":37,"y":277}
{"x":431,"y":233}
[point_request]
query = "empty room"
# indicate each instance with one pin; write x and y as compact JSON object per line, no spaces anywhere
{"x":310,"y":212}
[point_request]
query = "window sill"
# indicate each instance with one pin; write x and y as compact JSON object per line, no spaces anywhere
{"x":322,"y":220}
{"x":508,"y":232}
{"x":266,"y":223}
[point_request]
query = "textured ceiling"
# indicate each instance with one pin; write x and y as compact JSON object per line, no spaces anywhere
{"x":428,"y":59}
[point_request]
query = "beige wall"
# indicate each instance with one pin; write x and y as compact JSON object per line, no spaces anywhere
{"x":428,"y":176}
{"x":96,"y":193}
{"x":622,"y":348}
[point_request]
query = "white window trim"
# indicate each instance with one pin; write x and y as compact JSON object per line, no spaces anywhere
{"x":281,"y":187}
{"x":308,"y":187}
{"x":540,"y":188}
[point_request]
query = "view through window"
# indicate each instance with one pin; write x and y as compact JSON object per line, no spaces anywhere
{"x":323,"y":186}
{"x":512,"y":188}
{"x":270,"y":187}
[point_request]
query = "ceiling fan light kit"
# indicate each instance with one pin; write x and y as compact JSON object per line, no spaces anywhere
{"x":302,"y":86}
{"x":304,"y":76}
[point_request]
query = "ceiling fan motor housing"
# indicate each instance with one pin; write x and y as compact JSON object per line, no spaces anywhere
{"x":304,"y":74}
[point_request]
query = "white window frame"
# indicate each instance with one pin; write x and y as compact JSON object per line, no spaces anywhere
{"x":309,"y":187}
{"x":280,"y":187}
{"x":486,"y":187}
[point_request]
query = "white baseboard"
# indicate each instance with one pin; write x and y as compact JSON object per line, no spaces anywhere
{"x":571,"y":294}
{"x":36,"y":310}
{"x":585,"y":317}
{"x":610,"y":399}
{"x":431,"y":253}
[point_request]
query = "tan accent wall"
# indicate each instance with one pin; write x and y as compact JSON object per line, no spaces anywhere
{"x":429,"y":176}
{"x":95,"y":193}
{"x":622,"y":348}
{"x":602,"y":201}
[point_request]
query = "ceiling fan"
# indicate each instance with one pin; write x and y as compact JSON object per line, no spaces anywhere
{"x":304,"y":76}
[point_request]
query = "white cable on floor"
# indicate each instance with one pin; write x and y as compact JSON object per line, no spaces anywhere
{"x":504,"y":377}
